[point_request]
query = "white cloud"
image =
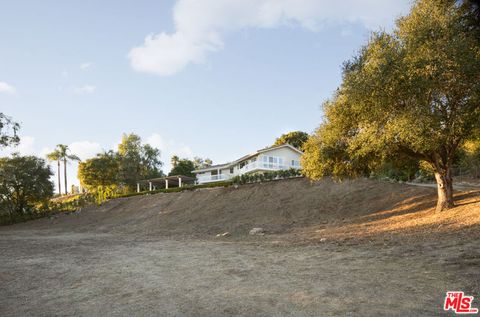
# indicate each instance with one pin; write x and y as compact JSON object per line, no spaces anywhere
{"x":85,"y":149}
{"x":7,"y":88}
{"x":86,"y":66}
{"x":156,"y":141}
{"x":168,"y":148}
{"x":85,"y":89}
{"x":44,"y":151}
{"x":200,"y":26}
{"x":25,"y":147}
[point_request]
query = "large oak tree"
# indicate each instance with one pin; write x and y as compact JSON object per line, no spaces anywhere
{"x":412,"y":93}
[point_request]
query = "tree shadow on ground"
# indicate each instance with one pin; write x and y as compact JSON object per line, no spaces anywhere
{"x":420,"y":203}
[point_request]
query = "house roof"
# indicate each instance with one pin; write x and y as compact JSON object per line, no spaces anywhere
{"x":214,"y":167}
{"x":246,"y":157}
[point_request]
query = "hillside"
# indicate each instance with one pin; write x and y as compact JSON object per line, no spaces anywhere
{"x":357,"y":248}
{"x":297,"y":209}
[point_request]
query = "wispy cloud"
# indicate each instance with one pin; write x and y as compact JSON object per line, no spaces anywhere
{"x":7,"y":88}
{"x":86,"y":66}
{"x":201,"y":26}
{"x":85,"y":149}
{"x":85,"y":89}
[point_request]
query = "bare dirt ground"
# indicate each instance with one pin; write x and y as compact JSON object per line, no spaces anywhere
{"x":359,"y":248}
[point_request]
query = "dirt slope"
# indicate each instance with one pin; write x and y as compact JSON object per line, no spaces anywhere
{"x":358,"y":248}
{"x":308,"y":210}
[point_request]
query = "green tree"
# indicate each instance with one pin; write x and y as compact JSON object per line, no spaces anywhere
{"x":55,"y":157}
{"x":470,"y":157}
{"x":294,"y":138}
{"x":183,"y":167}
{"x":61,"y":153}
{"x":174,"y":160}
{"x":8,"y":131}
{"x":24,"y":182}
{"x":137,"y":161}
{"x":415,"y":92}
{"x":199,"y":162}
{"x":100,"y":171}
{"x":129,"y":154}
{"x":150,"y":161}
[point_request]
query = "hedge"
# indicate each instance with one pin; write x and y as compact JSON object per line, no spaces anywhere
{"x":176,"y":189}
{"x":266,"y":176}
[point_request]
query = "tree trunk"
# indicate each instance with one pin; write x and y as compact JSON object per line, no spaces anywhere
{"x":59,"y":179}
{"x":12,"y":220}
{"x":65,"y":175}
{"x":445,"y":190}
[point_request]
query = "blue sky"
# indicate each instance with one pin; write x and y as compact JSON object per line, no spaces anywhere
{"x":209,"y":78}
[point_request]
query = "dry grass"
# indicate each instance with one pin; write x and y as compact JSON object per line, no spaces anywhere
{"x":412,"y":219}
{"x":295,"y":210}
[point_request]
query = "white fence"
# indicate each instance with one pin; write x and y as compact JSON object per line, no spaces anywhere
{"x":265,"y":166}
{"x":213,"y":178}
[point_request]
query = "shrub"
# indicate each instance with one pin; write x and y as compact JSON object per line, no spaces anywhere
{"x":176,"y":189}
{"x":266,"y":176}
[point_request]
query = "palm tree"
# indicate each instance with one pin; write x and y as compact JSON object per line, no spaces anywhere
{"x":55,"y":156}
{"x":65,"y":156}
{"x":174,"y":160}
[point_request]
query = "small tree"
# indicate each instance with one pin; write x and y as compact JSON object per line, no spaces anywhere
{"x":415,"y":92}
{"x":24,"y":182}
{"x":8,"y":131}
{"x":199,"y":162}
{"x":174,"y":160}
{"x":183,"y":167}
{"x":100,"y":171}
{"x":294,"y":138}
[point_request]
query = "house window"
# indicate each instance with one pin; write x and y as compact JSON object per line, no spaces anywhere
{"x":272,"y":161}
{"x":231,"y":170}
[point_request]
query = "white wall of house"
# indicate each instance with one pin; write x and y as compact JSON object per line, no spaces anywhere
{"x":286,"y":153}
{"x":283,"y":159}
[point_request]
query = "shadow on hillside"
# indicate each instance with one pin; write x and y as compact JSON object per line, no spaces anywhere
{"x":421,"y":203}
{"x":467,"y":196}
{"x":410,"y":205}
{"x":415,"y":217}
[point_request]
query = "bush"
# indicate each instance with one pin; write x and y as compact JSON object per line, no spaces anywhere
{"x":71,"y":203}
{"x":176,"y":189}
{"x":266,"y":176}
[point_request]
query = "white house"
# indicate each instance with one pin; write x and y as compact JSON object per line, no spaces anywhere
{"x":275,"y":158}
